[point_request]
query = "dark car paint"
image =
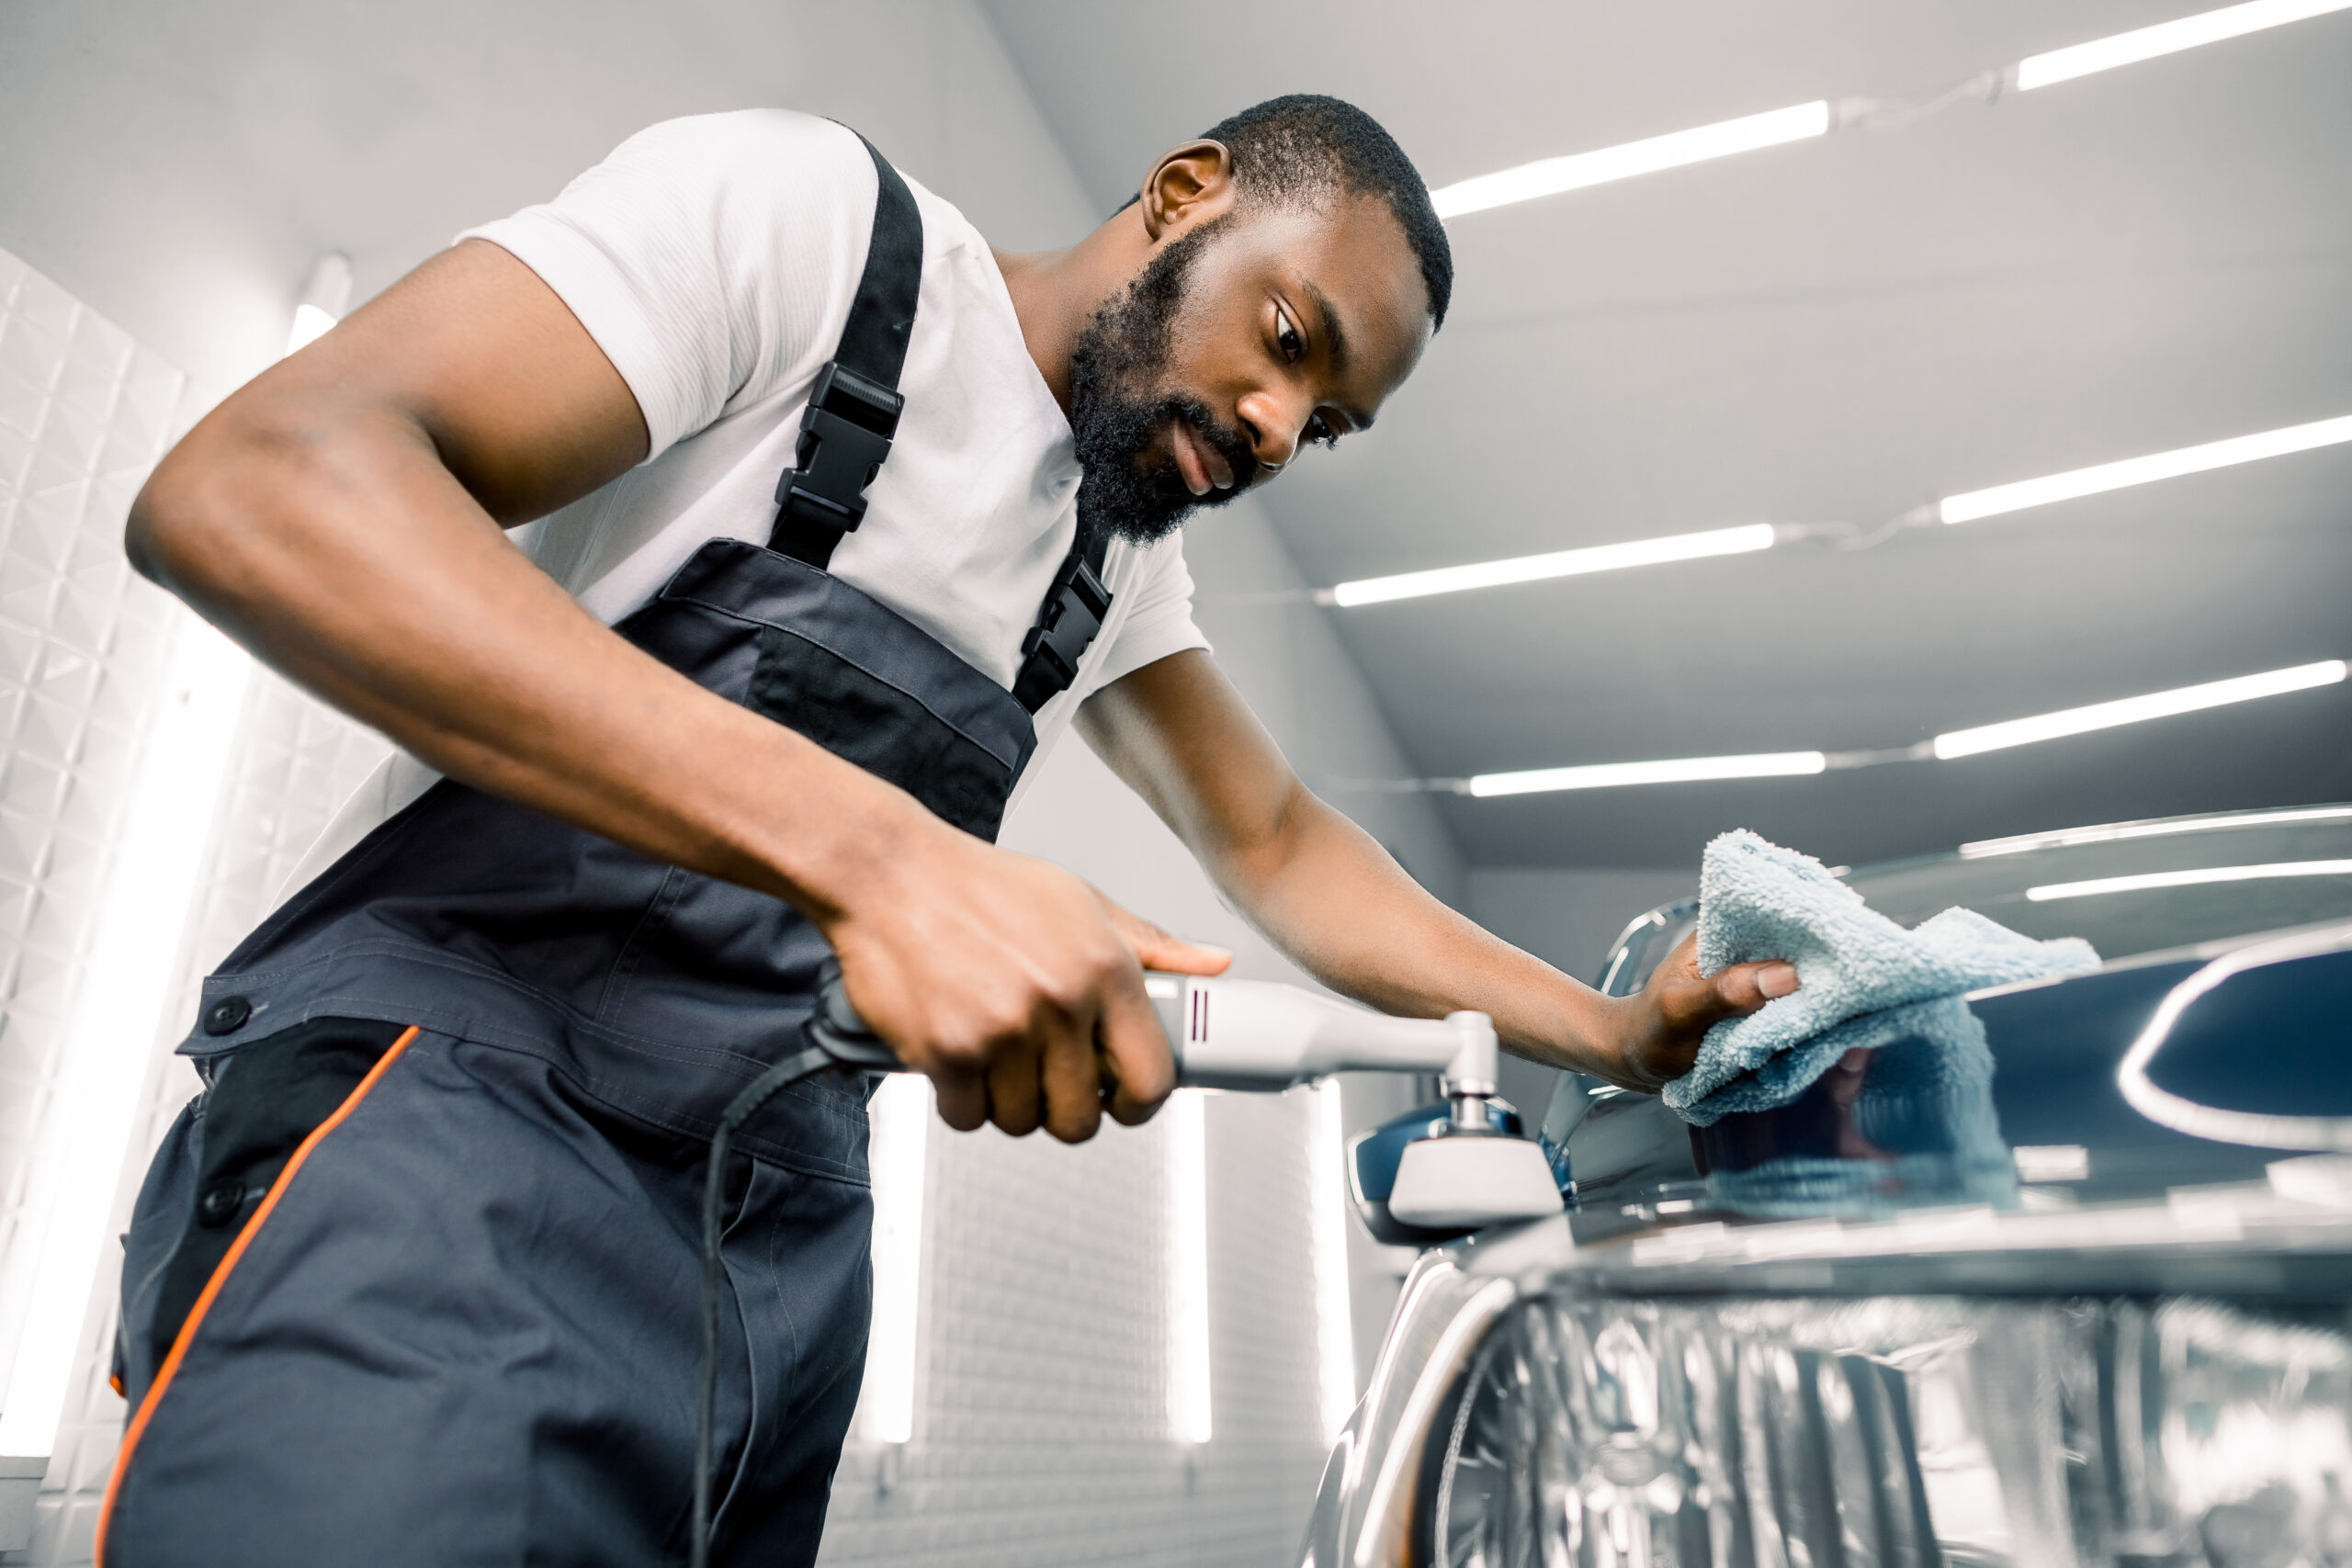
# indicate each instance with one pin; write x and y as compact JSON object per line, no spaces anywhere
{"x":2277,"y":1039}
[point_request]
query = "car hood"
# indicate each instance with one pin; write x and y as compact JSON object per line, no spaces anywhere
{"x":2009,"y":1099}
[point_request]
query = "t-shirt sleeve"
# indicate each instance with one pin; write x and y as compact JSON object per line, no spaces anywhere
{"x":711,"y":258}
{"x":1161,"y":620}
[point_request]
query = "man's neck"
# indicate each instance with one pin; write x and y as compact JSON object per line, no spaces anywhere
{"x":1056,"y":293}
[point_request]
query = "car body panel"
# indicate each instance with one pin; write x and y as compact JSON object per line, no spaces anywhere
{"x":1997,"y":1156}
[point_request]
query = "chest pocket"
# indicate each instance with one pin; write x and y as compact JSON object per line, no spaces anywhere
{"x":888,"y":732}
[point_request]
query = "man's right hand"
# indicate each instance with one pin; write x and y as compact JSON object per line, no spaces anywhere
{"x":1014,"y":986}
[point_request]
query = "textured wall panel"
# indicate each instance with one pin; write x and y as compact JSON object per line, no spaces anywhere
{"x":84,"y":412}
{"x":84,"y":415}
{"x":1041,"y":1429}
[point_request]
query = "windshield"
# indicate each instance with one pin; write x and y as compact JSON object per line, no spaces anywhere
{"x":2127,"y":888}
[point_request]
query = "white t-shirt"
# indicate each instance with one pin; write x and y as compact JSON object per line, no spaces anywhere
{"x":714,"y":259}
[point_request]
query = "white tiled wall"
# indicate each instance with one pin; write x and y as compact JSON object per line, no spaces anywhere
{"x":84,"y":415}
{"x":1041,"y":1427}
{"x":1041,"y":1410}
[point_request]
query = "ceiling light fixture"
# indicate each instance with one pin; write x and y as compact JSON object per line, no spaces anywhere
{"x":2200,"y":877}
{"x":1972,"y":504}
{"x":2133,"y":710}
{"x":109,"y":1041}
{"x":1190,"y":1403}
{"x":324,"y":300}
{"x":1606,"y":775}
{"x":2165,"y":37}
{"x":1966,"y":507}
{"x":2161,"y":828}
{"x":1556,"y":563}
{"x":1958,"y":743}
{"x":900,"y":1113}
{"x":1800,"y":123}
{"x":1549,"y":177}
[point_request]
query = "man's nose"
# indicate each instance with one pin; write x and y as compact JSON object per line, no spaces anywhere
{"x":1275,"y":421}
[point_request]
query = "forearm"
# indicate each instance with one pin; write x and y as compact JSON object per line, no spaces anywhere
{"x":335,"y":544}
{"x":1338,"y":905}
{"x":1312,"y":882}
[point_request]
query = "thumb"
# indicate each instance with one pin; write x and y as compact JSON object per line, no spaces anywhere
{"x":1158,"y":949}
{"x":1744,"y":987}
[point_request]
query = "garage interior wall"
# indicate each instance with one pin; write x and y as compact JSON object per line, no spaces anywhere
{"x":174,"y":171}
{"x":1569,"y":916}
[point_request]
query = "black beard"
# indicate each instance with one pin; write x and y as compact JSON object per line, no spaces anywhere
{"x":1116,"y":414}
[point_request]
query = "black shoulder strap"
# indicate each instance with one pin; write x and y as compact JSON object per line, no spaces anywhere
{"x":854,"y":407}
{"x":1075,"y":608}
{"x":854,"y":415}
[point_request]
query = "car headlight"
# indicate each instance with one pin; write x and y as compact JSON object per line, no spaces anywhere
{"x":1610,"y":1433}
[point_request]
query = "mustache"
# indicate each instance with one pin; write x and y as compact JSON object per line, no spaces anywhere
{"x":1238,"y":454}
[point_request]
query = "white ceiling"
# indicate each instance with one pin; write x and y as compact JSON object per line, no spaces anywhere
{"x":1835,"y":330}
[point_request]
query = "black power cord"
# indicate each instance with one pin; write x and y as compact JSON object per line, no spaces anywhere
{"x":836,"y":1037}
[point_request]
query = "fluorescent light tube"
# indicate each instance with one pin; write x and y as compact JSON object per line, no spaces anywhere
{"x":901,"y":1114}
{"x":2165,"y":37}
{"x":1975,"y":504}
{"x":2131,"y":710}
{"x":1334,"y":1328}
{"x":310,"y":323}
{"x":2198,"y":878}
{"x":324,"y":300}
{"x":1604,"y":775}
{"x":1557,"y":563}
{"x":1549,"y":177}
{"x":1188,"y":1265}
{"x":109,"y":1048}
{"x":2165,"y":828}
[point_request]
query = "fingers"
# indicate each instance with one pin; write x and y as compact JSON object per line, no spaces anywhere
{"x":1156,"y":948}
{"x":1071,"y":1083}
{"x":1013,"y":1102}
{"x":1134,"y":1049}
{"x":963,"y":1098}
{"x":1744,"y":987}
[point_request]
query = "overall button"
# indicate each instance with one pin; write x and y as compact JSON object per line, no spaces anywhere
{"x":227,"y":1016}
{"x":219,"y":1204}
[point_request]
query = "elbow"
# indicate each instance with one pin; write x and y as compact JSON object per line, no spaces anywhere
{"x":172,"y":528}
{"x":197,"y":515}
{"x":1247,"y":863}
{"x":146,"y":538}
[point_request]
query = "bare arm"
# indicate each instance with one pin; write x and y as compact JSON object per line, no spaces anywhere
{"x":1325,"y":892}
{"x":342,"y":516}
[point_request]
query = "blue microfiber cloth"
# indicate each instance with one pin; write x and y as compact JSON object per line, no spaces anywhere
{"x":1759,"y":901}
{"x":1924,"y":1117}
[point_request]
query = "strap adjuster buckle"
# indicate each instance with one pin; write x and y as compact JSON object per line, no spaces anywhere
{"x":1076,"y":607}
{"x":844,"y":436}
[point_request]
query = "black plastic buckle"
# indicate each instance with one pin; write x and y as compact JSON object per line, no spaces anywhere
{"x":1074,"y":612}
{"x":844,"y":436}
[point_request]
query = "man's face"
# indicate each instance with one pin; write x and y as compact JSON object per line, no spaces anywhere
{"x":1246,"y":336}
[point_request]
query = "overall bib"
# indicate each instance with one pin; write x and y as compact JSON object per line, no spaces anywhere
{"x":414,"y":1279}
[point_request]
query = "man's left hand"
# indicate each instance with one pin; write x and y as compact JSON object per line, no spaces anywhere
{"x":1658,"y":1029}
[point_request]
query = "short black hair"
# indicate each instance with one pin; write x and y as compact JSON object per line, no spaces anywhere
{"x":1304,"y":144}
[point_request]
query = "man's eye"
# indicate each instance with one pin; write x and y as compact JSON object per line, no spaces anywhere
{"x":1319,"y":431}
{"x":1287,"y":336}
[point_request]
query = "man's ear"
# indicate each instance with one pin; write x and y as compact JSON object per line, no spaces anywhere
{"x":1190,"y":183}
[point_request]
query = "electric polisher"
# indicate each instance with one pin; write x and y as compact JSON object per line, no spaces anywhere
{"x":1246,"y":1036}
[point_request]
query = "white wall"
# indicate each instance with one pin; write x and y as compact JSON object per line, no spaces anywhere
{"x":178,"y":167}
{"x":1569,"y":916}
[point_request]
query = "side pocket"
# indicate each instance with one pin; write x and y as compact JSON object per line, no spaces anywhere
{"x":311,"y":1061}
{"x":266,"y":1099}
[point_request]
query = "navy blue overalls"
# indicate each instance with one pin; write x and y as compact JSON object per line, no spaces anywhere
{"x":414,"y":1279}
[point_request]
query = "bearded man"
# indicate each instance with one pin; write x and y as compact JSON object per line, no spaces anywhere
{"x":414,"y":1279}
